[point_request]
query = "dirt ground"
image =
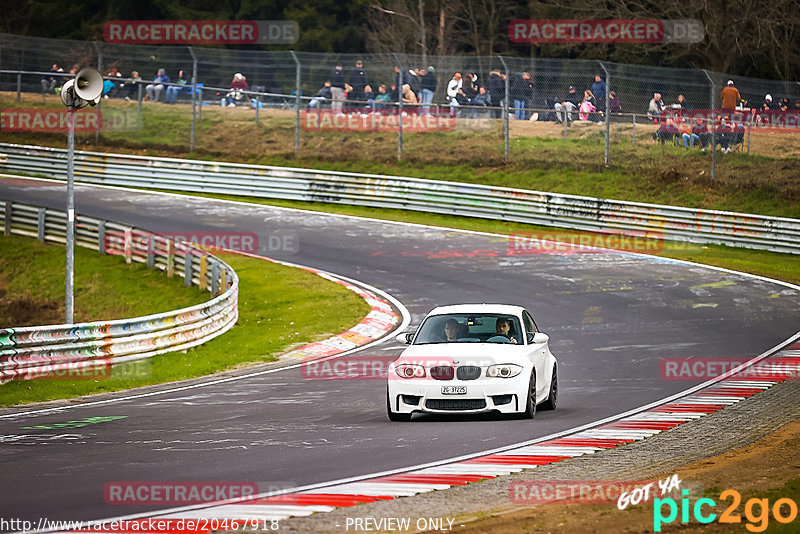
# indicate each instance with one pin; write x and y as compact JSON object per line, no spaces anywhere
{"x":754,"y":471}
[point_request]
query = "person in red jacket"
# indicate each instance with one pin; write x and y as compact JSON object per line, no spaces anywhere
{"x":236,"y":90}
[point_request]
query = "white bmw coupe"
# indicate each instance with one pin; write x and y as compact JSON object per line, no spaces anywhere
{"x":473,"y":358}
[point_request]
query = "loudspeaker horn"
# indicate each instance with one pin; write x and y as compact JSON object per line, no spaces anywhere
{"x":88,"y":84}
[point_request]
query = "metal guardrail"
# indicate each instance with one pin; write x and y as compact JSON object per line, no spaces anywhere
{"x":30,"y":352}
{"x":452,"y":198}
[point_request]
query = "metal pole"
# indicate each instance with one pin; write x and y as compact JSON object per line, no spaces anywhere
{"x":748,"y":139}
{"x":608,"y":118}
{"x":19,"y":86}
{"x":68,"y":305}
{"x":399,"y":109}
{"x":504,"y":110}
{"x":100,"y":103}
{"x":194,"y":98}
{"x":566,"y":118}
{"x":297,"y":105}
{"x":633,"y":137}
{"x":713,"y":126}
{"x":139,"y":95}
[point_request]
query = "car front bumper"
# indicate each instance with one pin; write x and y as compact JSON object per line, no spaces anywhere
{"x":504,"y":395}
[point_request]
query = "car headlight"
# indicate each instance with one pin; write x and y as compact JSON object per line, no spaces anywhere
{"x":409,"y":370}
{"x":504,"y":370}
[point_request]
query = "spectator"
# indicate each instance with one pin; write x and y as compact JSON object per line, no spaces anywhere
{"x":470,"y":86}
{"x":599,"y":92}
{"x":667,"y":131}
{"x":522,"y":94}
{"x":382,"y":98}
{"x":235,"y":91}
{"x":726,"y":135}
{"x":369,"y":98}
{"x":768,"y":103}
{"x":357,"y":81}
{"x":655,"y":107}
{"x":614,"y":105}
{"x":568,"y":105}
{"x":415,"y":81}
{"x":110,"y":86}
{"x":429,"y":84}
{"x":49,"y":82}
{"x":322,"y":95}
{"x":453,"y":86}
{"x":496,"y":86}
{"x":797,"y":104}
{"x":173,"y":90}
{"x":699,"y":132}
{"x":155,"y":88}
{"x":784,"y":104}
{"x":680,"y":103}
{"x":131,"y":86}
{"x":730,"y":96}
{"x":409,"y":98}
{"x":337,"y":88}
{"x":482,"y":99}
{"x":588,"y":106}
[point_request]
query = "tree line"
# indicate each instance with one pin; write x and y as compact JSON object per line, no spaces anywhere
{"x":756,"y":38}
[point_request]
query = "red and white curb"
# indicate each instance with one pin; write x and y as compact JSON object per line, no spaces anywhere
{"x":699,"y":402}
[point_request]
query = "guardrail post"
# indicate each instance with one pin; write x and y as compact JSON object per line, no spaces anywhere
{"x":128,"y":245}
{"x":214,"y":278}
{"x":633,"y":136}
{"x":170,"y":258}
{"x":203,"y":271}
{"x":40,"y":224}
{"x":188,"y":259}
{"x":139,"y":95}
{"x":748,"y":139}
{"x":19,"y":86}
{"x":151,"y":256}
{"x":566,"y":120}
{"x":223,"y":280}
{"x":7,"y":219}
{"x":200,"y":104}
{"x":101,"y":237}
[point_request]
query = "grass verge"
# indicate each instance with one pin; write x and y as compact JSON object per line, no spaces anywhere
{"x":767,"y":183}
{"x":279,"y":307}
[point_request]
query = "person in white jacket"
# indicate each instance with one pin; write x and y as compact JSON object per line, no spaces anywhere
{"x":452,"y":90}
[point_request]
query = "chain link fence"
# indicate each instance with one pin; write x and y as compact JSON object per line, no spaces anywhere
{"x":492,"y":95}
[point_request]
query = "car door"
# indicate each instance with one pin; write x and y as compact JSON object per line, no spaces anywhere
{"x":539,"y":354}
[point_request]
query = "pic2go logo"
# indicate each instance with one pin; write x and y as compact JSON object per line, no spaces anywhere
{"x":756,"y":511}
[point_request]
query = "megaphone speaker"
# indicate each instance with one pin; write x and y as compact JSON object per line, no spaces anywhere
{"x":67,"y":96}
{"x":88,"y":84}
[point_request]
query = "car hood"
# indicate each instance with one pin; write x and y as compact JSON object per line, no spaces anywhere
{"x":481,"y":354}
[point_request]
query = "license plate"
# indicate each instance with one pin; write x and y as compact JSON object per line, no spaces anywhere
{"x":454,"y":390}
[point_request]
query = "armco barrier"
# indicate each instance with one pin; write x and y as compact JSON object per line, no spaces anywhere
{"x":452,"y":198}
{"x":30,"y":352}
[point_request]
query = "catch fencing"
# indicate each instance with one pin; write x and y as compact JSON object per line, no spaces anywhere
{"x":64,"y":350}
{"x":289,"y":80}
{"x":434,"y":196}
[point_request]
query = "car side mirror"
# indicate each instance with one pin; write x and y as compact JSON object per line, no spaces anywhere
{"x":537,"y":338}
{"x":404,"y":338}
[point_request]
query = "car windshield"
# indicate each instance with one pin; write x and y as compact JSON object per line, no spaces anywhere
{"x":469,"y":328}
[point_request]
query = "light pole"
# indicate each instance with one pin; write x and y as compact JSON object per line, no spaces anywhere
{"x":84,"y":90}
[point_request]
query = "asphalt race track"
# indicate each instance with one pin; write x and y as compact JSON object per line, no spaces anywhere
{"x":612,"y":318}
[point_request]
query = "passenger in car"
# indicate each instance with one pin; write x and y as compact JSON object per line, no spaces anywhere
{"x":451,"y":330}
{"x":503,"y":328}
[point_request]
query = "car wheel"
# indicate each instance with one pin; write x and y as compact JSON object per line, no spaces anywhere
{"x":530,"y":402}
{"x":394,"y":416}
{"x":552,"y":398}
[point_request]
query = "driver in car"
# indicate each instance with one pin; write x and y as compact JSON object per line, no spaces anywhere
{"x":503,"y":327}
{"x":451,"y":330}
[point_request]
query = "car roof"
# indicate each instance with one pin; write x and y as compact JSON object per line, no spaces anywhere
{"x":503,"y":309}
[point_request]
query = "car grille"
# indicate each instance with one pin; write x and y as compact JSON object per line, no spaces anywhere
{"x":442,"y":372}
{"x":468,"y":372}
{"x":455,"y":404}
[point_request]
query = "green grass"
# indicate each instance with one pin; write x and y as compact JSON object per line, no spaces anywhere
{"x":279,"y":307}
{"x":539,"y":158}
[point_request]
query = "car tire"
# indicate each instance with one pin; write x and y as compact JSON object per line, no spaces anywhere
{"x":552,"y":398}
{"x":530,"y":399}
{"x":394,"y":416}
